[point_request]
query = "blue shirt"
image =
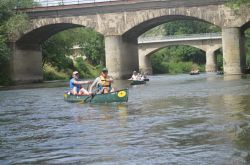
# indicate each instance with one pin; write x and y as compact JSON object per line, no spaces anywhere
{"x":72,"y":85}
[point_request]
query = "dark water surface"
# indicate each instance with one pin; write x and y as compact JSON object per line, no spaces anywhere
{"x":179,"y":120}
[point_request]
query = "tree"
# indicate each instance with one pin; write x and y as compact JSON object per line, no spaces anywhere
{"x":58,"y":49}
{"x":12,"y":23}
{"x":238,"y":3}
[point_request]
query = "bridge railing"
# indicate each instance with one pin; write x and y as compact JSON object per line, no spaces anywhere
{"x":179,"y":37}
{"x":68,"y":2}
{"x":50,"y":3}
{"x":55,"y":3}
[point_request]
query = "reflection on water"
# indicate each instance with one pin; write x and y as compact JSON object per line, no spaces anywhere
{"x":182,"y":119}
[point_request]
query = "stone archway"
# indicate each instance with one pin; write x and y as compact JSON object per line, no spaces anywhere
{"x":208,"y":46}
{"x":26,"y":61}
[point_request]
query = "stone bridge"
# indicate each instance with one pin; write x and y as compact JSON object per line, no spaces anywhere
{"x":209,"y":43}
{"x":122,"y":22}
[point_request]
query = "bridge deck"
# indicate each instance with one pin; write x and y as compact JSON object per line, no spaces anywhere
{"x":187,"y":37}
{"x":120,"y":5}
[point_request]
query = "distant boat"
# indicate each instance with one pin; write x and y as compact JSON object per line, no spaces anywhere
{"x":195,"y":72}
{"x":247,"y":70}
{"x":137,"y":82}
{"x":219,"y":72}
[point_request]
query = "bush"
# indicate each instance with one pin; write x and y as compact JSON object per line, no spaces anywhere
{"x":50,"y":73}
{"x":180,"y":67}
{"x":175,"y":67}
{"x":85,"y":69}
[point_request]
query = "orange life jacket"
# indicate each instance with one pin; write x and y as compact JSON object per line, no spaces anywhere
{"x":104,"y":82}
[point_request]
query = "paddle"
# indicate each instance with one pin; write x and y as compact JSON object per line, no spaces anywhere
{"x":90,"y":97}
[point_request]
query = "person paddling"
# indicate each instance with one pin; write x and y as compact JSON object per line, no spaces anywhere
{"x":103,"y":83}
{"x":134,"y":76}
{"x":76,"y":85}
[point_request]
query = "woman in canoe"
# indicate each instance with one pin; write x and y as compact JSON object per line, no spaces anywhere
{"x":103,"y":83}
{"x":76,"y":85}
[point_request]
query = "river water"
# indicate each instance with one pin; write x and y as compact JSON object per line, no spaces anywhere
{"x":173,"y":119}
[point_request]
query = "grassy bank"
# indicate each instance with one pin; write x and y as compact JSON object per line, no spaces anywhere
{"x":85,"y":70}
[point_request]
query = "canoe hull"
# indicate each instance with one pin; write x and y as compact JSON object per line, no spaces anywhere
{"x":194,"y":73}
{"x":117,"y":96}
{"x":134,"y":82}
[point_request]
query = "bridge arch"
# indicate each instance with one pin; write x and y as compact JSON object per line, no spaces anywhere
{"x":245,"y":26}
{"x":27,"y":52}
{"x":141,"y":28}
{"x":146,"y":50}
{"x":45,"y":28}
{"x":42,"y":33}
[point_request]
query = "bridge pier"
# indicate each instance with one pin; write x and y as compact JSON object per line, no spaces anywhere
{"x":26,"y":63}
{"x":211,"y":65}
{"x":121,"y":57}
{"x":145,"y":64}
{"x":234,"y":59}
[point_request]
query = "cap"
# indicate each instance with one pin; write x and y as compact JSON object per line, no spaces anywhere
{"x":104,"y":70}
{"x":75,"y":72}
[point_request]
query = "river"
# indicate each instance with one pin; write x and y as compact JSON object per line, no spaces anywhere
{"x":173,"y":119}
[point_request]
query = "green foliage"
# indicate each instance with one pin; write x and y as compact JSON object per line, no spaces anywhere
{"x":58,"y":48}
{"x":55,"y":51}
{"x":4,"y":52}
{"x":12,"y":23}
{"x":175,"y":67}
{"x":51,"y":73}
{"x":58,"y":51}
{"x":177,"y":59}
{"x":85,"y":69}
{"x":92,"y":44}
{"x":189,"y":27}
{"x":16,"y":25}
{"x":235,"y":4}
{"x":219,"y":58}
{"x":25,"y":3}
{"x":182,"y":27}
{"x":247,"y":46}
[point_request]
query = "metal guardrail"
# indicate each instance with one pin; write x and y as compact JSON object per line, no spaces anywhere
{"x":50,"y":3}
{"x":68,"y":2}
{"x":179,"y":37}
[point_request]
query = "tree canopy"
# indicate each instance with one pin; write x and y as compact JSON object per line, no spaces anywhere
{"x":11,"y":23}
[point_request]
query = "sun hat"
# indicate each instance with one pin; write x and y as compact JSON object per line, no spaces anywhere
{"x":75,"y":72}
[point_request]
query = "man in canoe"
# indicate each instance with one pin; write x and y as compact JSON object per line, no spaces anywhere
{"x":76,"y":85}
{"x":103,"y":83}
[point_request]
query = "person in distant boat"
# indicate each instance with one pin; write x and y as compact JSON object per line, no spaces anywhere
{"x":103,"y":83}
{"x":144,"y":76}
{"x":140,"y":77}
{"x":134,"y":76}
{"x":195,"y":71}
{"x":76,"y":85}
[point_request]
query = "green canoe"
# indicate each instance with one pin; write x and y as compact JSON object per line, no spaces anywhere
{"x":117,"y":96}
{"x":137,"y":82}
